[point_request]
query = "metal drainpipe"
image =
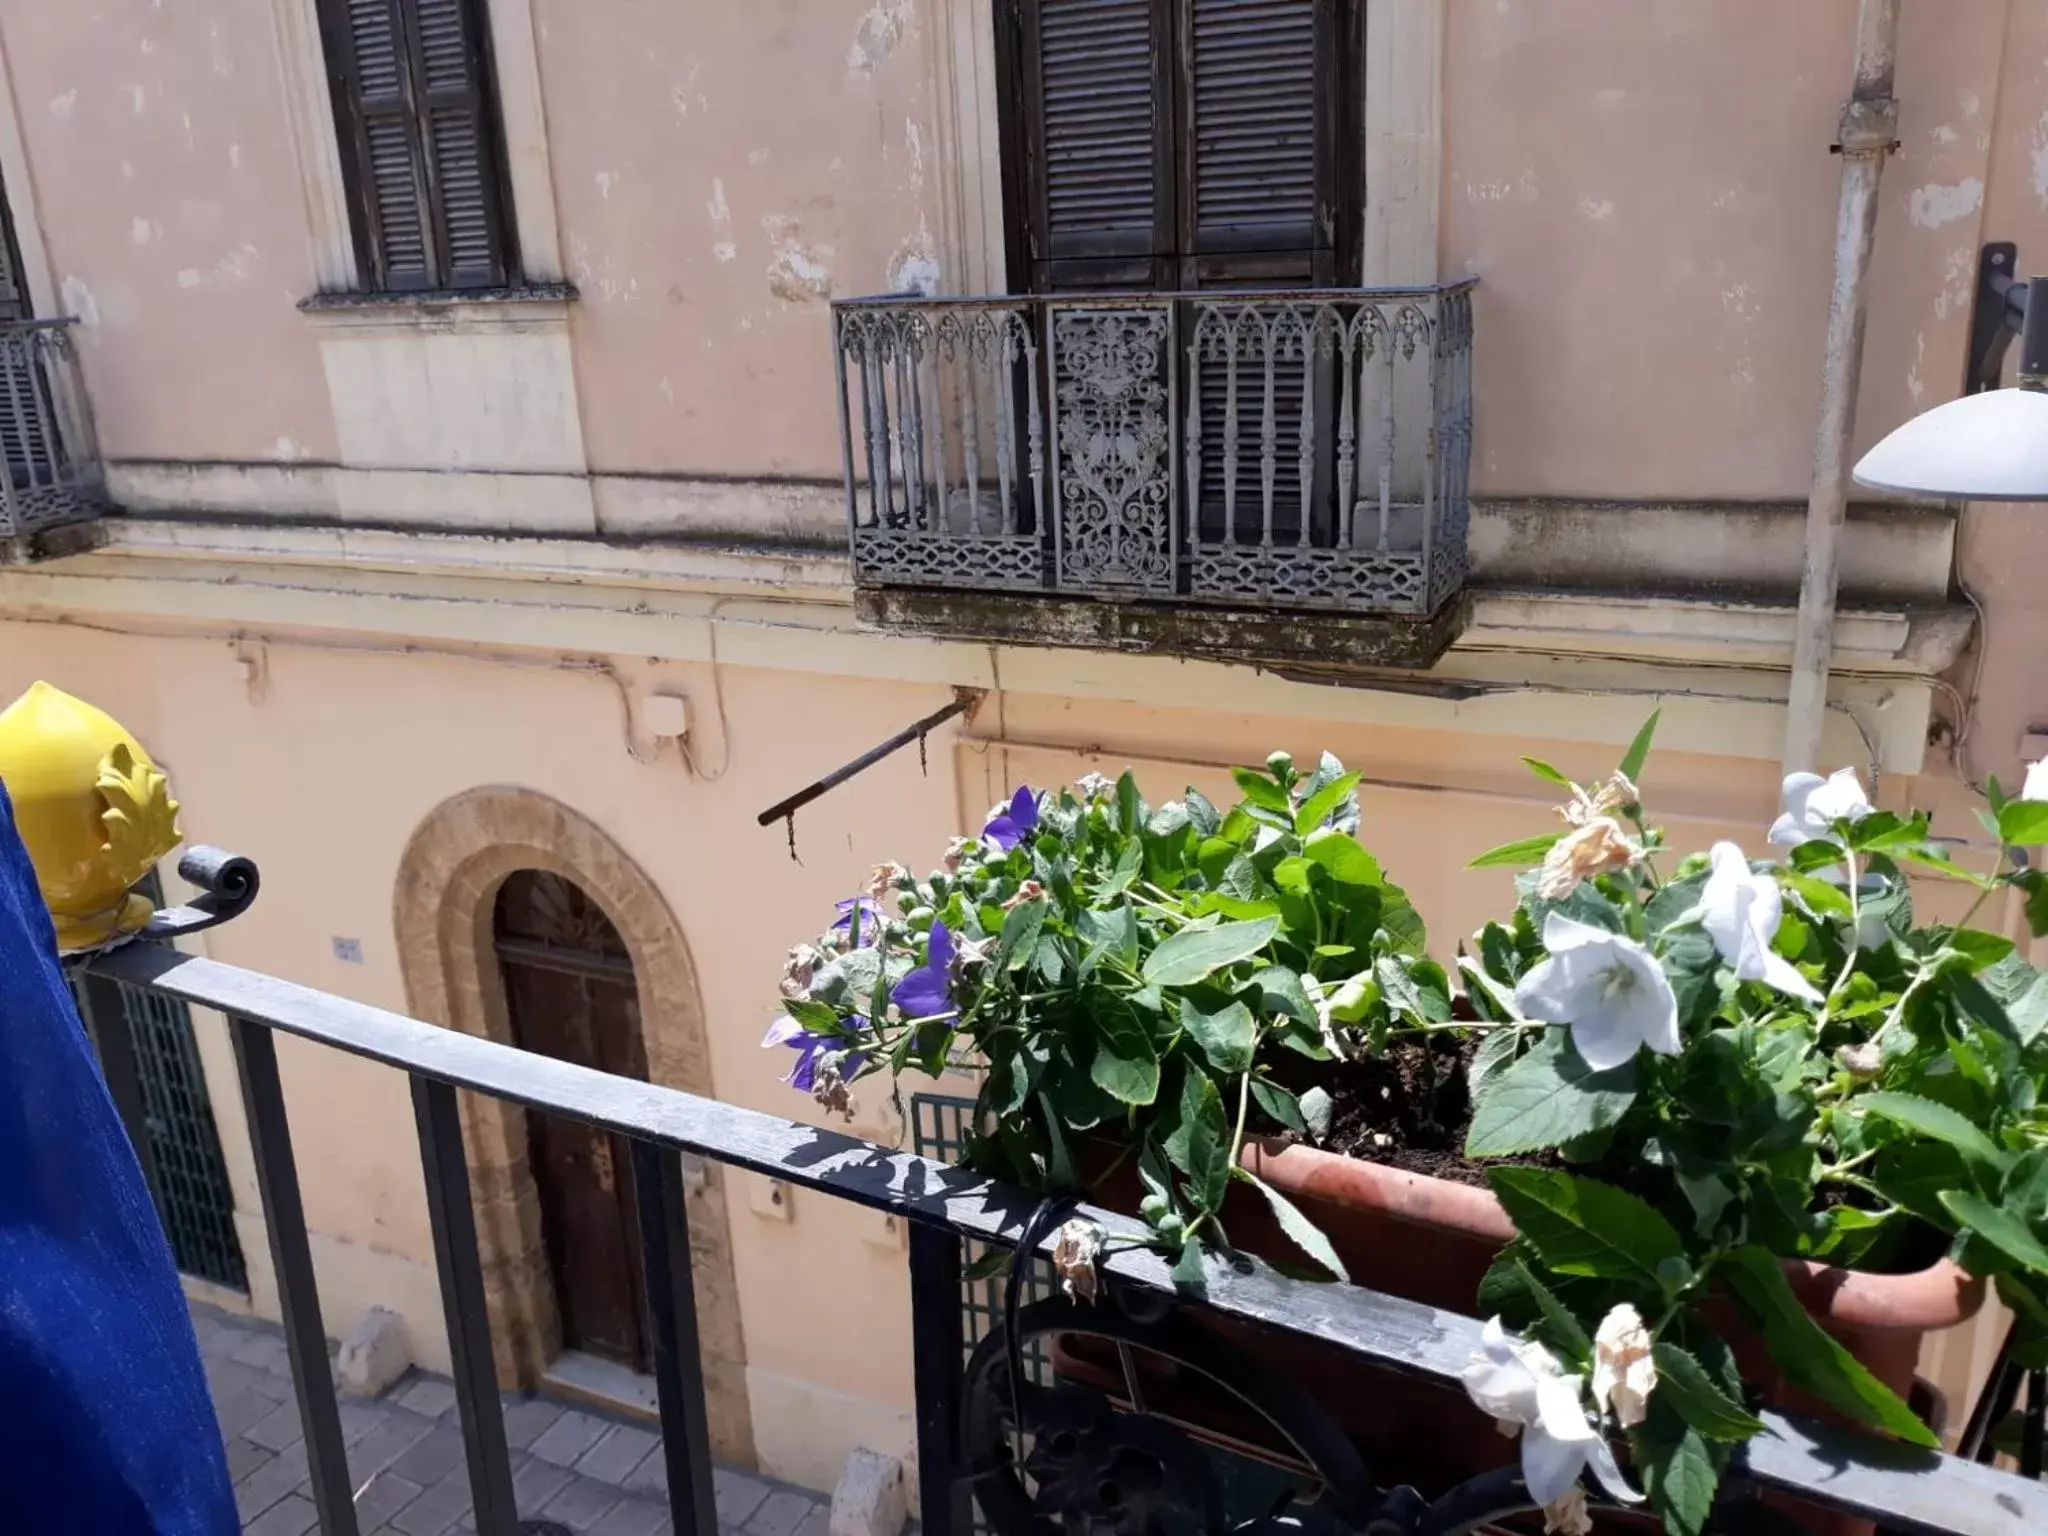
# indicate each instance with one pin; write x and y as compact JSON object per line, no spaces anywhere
{"x":1870,"y":121}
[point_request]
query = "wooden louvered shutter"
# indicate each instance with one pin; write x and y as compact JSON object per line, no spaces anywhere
{"x":412,"y":94}
{"x":1262,"y":127}
{"x":1098,"y":102}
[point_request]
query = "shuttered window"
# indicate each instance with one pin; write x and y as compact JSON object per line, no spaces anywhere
{"x":1181,"y":143}
{"x":421,"y":142}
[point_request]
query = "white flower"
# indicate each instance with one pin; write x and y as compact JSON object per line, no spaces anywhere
{"x":2036,"y":786}
{"x":1592,"y":848}
{"x":1623,"y":1372}
{"x":1523,"y":1387}
{"x":1608,"y":988}
{"x":1093,"y":786}
{"x":1075,"y":1249}
{"x":1813,"y":805}
{"x":1741,"y":911}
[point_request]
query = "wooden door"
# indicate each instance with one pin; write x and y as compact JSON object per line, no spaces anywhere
{"x":571,"y":994}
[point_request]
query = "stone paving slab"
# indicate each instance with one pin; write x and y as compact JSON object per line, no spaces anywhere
{"x":591,"y":1473}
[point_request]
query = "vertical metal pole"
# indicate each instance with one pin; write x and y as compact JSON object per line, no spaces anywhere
{"x":105,"y":1014}
{"x":672,"y":1324}
{"x":1869,"y":122}
{"x":284,"y":1218}
{"x":937,"y":1345}
{"x":463,"y":1306}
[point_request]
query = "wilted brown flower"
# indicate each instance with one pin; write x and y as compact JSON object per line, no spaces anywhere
{"x":1030,"y":890}
{"x":1862,"y":1062}
{"x":797,"y":971}
{"x":1611,"y":798}
{"x":1074,"y":1252}
{"x":1592,"y":849}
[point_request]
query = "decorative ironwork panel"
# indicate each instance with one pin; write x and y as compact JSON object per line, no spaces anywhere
{"x":1113,"y":398}
{"x":1310,"y":578}
{"x":904,"y":557}
{"x":1303,"y":450}
{"x":52,"y":470}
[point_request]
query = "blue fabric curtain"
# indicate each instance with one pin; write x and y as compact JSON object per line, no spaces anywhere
{"x":105,"y":1423}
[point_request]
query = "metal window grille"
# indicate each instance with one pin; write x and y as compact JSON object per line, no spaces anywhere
{"x":190,"y":1177}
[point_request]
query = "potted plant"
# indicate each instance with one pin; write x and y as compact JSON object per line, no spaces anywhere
{"x":1706,"y":1130}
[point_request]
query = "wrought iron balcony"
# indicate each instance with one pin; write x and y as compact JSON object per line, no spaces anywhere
{"x":55,"y":485}
{"x":1300,"y":451}
{"x":1032,"y":1453}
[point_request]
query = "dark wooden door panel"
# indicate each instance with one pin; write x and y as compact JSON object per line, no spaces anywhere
{"x":571,"y":995}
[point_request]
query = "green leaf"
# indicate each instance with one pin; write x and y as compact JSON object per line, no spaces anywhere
{"x":1678,"y":1469}
{"x":1199,"y":1145}
{"x":1546,"y":1098}
{"x":1059,"y":1160}
{"x":1202,"y":815}
{"x":2000,"y":1228}
{"x":1698,"y":1399}
{"x":1316,"y":809}
{"x":1822,"y":899}
{"x":1300,"y":1231}
{"x":1340,"y":854}
{"x":1316,"y":1108}
{"x":1530,"y":850}
{"x":2023,"y":992}
{"x":2024,"y":823}
{"x":1544,"y":771}
{"x":1582,"y":1227}
{"x":1565,"y":1329}
{"x":1261,"y":790}
{"x":1019,"y":940}
{"x":1639,"y":750}
{"x":1937,"y":1122}
{"x":818,"y":1018}
{"x":1193,"y":954}
{"x":1810,"y":1359}
{"x":995,"y":1262}
{"x":1111,"y":934}
{"x":1281,"y":1105}
{"x":1187,"y":1269}
{"x":1282,"y":995}
{"x":1130,"y":810}
{"x":1225,"y":1036}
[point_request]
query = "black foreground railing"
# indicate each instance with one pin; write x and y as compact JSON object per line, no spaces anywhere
{"x":1829,"y":1468}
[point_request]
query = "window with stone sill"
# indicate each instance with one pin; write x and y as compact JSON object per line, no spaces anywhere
{"x":422,"y":145}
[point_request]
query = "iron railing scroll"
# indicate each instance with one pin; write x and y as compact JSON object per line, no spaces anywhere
{"x":1030,"y":1454}
{"x":1290,"y":450}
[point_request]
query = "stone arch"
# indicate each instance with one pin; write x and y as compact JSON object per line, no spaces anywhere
{"x":448,"y":882}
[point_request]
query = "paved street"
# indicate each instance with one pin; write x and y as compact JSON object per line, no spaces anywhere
{"x":588,"y":1472}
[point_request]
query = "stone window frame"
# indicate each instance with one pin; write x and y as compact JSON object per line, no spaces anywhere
{"x":310,"y":109}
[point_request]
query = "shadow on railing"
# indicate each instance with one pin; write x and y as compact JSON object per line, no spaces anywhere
{"x":53,"y":474}
{"x":1290,"y":450}
{"x":1024,"y":1451}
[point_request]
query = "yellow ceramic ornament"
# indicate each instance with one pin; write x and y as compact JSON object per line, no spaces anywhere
{"x":92,"y":808}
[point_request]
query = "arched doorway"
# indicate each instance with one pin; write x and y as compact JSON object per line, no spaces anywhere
{"x":570,"y":993}
{"x":445,"y":910}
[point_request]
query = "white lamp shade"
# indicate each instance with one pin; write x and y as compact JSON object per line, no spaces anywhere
{"x":1987,"y":447}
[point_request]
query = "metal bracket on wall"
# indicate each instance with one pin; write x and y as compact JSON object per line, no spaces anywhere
{"x":965,"y":701}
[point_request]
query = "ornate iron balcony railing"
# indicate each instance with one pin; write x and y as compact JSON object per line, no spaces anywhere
{"x":1283,"y":450}
{"x":52,"y":458}
{"x":1034,"y":1456}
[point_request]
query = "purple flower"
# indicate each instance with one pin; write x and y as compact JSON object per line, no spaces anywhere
{"x":927,"y":991}
{"x":852,"y":913}
{"x":1013,"y":823}
{"x":811,"y":1049}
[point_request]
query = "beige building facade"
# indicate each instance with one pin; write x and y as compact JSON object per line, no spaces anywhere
{"x":405,"y":571}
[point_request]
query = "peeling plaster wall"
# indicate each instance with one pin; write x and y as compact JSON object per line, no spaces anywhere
{"x":722,"y":170}
{"x":1646,"y":189}
{"x":170,"y":204}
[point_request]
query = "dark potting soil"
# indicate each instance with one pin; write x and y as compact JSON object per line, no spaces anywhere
{"x":1406,"y":1108}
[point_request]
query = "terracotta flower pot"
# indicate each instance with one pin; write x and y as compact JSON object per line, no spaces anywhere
{"x":1431,"y":1241}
